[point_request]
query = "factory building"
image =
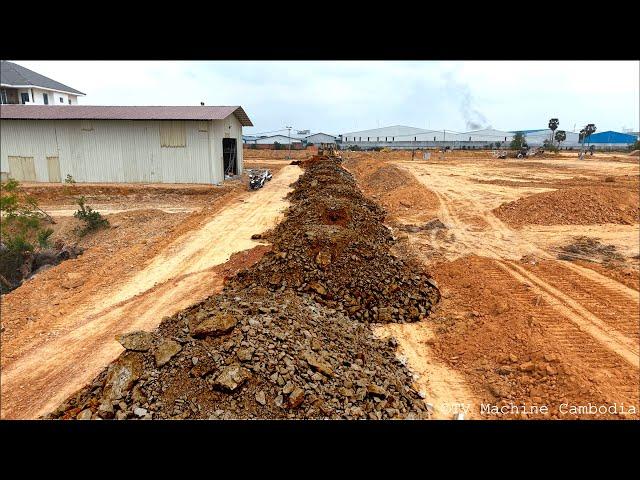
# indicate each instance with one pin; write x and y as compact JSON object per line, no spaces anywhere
{"x":192,"y":144}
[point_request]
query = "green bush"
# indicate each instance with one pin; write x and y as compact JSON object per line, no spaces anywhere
{"x":549,"y":146}
{"x":92,"y":219}
{"x":43,"y":237}
{"x":518,"y":142}
{"x":21,"y":218}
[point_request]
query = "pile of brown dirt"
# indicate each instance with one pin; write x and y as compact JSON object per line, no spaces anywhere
{"x":283,"y":339}
{"x":573,"y":206}
{"x":399,"y":192}
{"x":635,"y":153}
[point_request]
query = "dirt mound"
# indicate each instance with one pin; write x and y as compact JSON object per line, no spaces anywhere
{"x":398,"y":191}
{"x":284,"y":338}
{"x":635,"y":153}
{"x":573,"y":206}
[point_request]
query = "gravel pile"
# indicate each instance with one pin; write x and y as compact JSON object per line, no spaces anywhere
{"x":283,"y":339}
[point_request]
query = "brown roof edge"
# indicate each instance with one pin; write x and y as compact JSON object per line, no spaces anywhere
{"x":113,"y":112}
{"x":242,"y":117}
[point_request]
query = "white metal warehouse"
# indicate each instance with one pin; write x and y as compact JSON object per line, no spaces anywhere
{"x":159,"y":144}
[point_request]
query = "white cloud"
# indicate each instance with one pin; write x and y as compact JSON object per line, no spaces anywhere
{"x":341,"y":96}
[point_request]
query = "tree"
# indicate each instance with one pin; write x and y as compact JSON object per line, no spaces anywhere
{"x":561,"y":136}
{"x":518,"y":142}
{"x":553,"y":125}
{"x":585,"y":133}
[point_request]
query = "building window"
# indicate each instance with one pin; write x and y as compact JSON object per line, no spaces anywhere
{"x":45,"y":97}
{"x":377,"y":139}
{"x":24,"y":97}
{"x":69,"y":101}
{"x":360,"y":139}
{"x":3,"y":96}
{"x":61,"y":100}
{"x":393,"y":139}
{"x":415,"y":139}
{"x":367,"y":139}
{"x":434,"y":139}
{"x":173,"y":134}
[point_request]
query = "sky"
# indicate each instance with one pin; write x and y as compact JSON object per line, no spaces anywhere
{"x":341,"y":96}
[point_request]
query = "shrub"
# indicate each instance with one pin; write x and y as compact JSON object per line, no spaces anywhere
{"x":43,"y":237}
{"x":21,"y":217}
{"x":550,"y":146}
{"x":92,"y":219}
{"x":518,"y":142}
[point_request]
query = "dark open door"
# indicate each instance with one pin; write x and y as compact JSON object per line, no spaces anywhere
{"x":230,"y":156}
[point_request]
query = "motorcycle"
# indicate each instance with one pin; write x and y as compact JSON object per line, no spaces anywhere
{"x":257,"y":178}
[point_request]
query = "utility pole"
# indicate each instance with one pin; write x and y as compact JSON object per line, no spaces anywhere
{"x":289,"y":128}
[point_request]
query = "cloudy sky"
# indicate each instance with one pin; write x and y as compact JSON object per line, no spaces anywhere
{"x":341,"y":96}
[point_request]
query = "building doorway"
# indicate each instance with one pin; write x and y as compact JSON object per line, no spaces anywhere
{"x":230,"y":156}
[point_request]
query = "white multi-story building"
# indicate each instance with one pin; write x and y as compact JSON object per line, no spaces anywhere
{"x":19,"y":85}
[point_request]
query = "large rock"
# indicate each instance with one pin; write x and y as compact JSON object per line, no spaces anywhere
{"x":231,"y":378}
{"x":84,"y":414}
{"x":296,"y":398}
{"x":376,"y":391}
{"x":137,"y":341}
{"x":215,"y":325}
{"x":165,"y":351}
{"x":318,"y":287}
{"x":122,"y":375}
{"x":318,"y":364}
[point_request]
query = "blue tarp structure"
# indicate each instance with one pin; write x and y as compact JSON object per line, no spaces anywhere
{"x":612,"y":137}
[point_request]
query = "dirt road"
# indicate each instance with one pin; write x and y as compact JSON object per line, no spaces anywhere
{"x":528,"y":302}
{"x":37,"y":374}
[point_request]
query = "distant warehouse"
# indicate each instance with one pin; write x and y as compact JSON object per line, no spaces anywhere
{"x":192,"y":144}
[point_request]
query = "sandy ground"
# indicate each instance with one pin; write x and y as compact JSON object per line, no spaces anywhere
{"x":44,"y":362}
{"x":587,"y":312}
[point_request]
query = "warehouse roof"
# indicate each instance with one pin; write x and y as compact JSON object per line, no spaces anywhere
{"x":14,"y":75}
{"x":93,"y":112}
{"x":392,"y":131}
{"x":612,"y":137}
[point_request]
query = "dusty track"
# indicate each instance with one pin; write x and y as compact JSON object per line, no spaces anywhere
{"x":38,"y":374}
{"x":592,"y":317}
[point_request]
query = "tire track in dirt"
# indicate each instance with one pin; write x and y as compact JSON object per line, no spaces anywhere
{"x":41,"y":375}
{"x":609,"y":306}
{"x":606,"y":282}
{"x":572,"y":310}
{"x":506,"y":239}
{"x":584,"y":354}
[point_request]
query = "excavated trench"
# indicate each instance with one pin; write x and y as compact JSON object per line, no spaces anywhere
{"x":288,"y":337}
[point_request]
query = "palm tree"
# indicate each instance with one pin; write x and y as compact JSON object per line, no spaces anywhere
{"x":561,"y":136}
{"x":585,"y":133}
{"x":553,"y":124}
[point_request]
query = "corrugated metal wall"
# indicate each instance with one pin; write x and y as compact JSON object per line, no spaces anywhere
{"x":122,"y":150}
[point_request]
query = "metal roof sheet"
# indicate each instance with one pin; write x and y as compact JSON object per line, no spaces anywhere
{"x":103,"y":112}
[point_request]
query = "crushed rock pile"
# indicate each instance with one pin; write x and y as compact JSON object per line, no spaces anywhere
{"x":283,"y":339}
{"x":334,"y":245}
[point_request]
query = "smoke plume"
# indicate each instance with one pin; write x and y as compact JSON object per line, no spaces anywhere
{"x":474,"y":119}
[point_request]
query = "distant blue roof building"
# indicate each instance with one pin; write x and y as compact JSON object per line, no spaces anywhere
{"x":612,"y":137}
